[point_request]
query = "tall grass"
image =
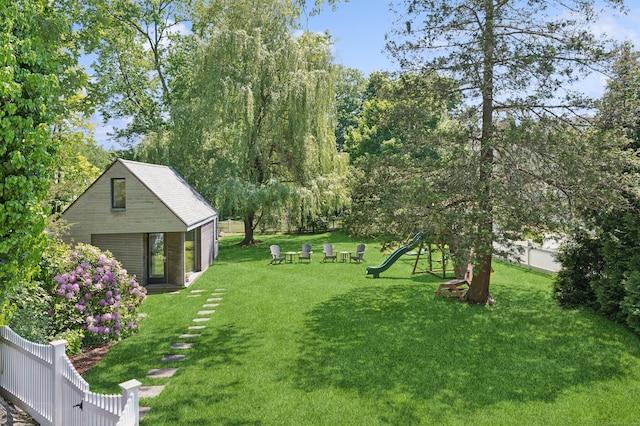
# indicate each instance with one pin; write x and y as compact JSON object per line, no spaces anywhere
{"x":323,"y":344}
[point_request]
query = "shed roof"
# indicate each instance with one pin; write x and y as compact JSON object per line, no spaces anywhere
{"x":173,"y":191}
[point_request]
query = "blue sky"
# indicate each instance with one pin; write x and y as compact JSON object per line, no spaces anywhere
{"x":358,"y":29}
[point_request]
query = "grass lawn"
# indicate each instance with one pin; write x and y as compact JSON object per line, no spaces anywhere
{"x":323,"y":344}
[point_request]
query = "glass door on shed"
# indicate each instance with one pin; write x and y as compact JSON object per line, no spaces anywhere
{"x":157,"y":255}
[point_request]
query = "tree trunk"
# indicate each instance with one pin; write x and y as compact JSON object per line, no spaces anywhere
{"x":248,"y":231}
{"x":479,"y":290}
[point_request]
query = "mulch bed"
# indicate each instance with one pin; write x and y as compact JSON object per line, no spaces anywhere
{"x":90,"y":357}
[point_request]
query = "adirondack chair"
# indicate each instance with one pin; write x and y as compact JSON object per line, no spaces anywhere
{"x":456,"y":287}
{"x":275,"y":255}
{"x":358,"y":257}
{"x":328,"y":253}
{"x":305,"y":254}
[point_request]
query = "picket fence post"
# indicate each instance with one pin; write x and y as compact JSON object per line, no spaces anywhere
{"x":58,"y":362}
{"x":128,"y":388}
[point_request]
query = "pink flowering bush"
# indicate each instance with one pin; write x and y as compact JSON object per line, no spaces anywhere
{"x":93,"y":293}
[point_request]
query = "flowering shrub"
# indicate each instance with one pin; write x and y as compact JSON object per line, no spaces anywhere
{"x":96,"y":295}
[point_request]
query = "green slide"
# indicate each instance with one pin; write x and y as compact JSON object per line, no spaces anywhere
{"x":375,"y":270}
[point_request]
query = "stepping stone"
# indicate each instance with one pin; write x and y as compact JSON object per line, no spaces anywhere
{"x":189,"y":336}
{"x":205,"y":312}
{"x":217,"y":294}
{"x":142,"y":315}
{"x":214,"y":300}
{"x":142,"y":411}
{"x":182,"y":346}
{"x":161,"y":372}
{"x":175,"y":292}
{"x":201,"y":319}
{"x":220,"y":289}
{"x":193,"y":295}
{"x":149,"y":391}
{"x":197,"y":291}
{"x":210,"y":305}
{"x":172,"y":358}
{"x":197,"y":327}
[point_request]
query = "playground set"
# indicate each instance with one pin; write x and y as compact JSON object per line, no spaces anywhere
{"x":454,"y":287}
{"x":436,"y":256}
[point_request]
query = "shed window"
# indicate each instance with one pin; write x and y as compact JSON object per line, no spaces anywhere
{"x":118,"y":194}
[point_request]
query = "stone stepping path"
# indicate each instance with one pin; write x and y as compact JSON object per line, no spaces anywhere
{"x":142,"y":411}
{"x":152,"y":391}
{"x":149,"y":391}
{"x":161,"y":372}
{"x":173,"y":358}
{"x":189,"y":336}
{"x":182,"y":346}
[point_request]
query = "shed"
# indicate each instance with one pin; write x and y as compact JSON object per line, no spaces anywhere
{"x":160,"y":228}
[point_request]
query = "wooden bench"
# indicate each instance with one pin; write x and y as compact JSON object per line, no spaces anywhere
{"x":457,"y":287}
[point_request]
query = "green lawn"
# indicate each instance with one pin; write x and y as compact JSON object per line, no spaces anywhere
{"x":323,"y":344}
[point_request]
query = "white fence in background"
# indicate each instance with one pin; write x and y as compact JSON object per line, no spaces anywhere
{"x":41,"y":380}
{"x":542,"y":258}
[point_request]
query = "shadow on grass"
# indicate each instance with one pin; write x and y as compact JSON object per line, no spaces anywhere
{"x":399,"y":343}
{"x":222,"y":349}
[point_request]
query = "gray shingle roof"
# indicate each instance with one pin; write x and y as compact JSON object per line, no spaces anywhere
{"x":170,"y":188}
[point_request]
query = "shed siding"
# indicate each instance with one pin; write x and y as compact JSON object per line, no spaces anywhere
{"x":206,"y":245}
{"x":144,"y":213}
{"x":216,"y":236}
{"x":174,"y":243}
{"x":129,"y":249}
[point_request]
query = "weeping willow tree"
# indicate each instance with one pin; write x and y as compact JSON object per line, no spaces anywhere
{"x":255,"y":132}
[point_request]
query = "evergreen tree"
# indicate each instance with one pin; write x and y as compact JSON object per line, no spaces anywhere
{"x":515,"y":63}
{"x":600,"y":264}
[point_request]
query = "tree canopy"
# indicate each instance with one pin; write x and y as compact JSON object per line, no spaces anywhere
{"x":255,"y":131}
{"x":32,"y":58}
{"x":396,"y":138}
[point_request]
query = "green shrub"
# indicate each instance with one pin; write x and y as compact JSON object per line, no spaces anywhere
{"x":581,"y":264}
{"x":74,"y":340}
{"x":600,"y":269}
{"x":30,"y":318}
{"x":631,"y":302}
{"x":94,"y":293}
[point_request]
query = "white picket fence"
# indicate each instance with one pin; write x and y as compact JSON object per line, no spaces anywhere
{"x":41,"y":380}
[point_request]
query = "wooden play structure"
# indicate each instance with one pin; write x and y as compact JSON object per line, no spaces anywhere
{"x":436,"y":265}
